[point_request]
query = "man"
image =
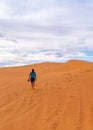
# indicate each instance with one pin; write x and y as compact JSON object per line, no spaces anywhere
{"x":32,"y":78}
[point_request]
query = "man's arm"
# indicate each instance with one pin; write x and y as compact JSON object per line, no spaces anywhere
{"x":29,"y":77}
{"x":35,"y":76}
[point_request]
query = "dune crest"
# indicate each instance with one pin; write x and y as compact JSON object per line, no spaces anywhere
{"x":62,"y":100}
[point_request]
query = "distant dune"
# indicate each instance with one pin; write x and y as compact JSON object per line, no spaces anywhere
{"x":62,"y":100}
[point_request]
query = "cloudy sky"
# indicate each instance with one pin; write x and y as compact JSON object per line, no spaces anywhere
{"x":34,"y":31}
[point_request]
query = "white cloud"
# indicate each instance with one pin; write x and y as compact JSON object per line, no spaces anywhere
{"x":53,"y":30}
{"x":3,"y":10}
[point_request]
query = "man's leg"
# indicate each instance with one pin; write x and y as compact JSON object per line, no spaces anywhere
{"x":33,"y":85}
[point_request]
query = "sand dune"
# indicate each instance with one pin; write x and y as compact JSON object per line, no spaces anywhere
{"x":62,"y":100}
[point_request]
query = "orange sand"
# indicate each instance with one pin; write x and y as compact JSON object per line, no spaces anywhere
{"x":63,"y":99}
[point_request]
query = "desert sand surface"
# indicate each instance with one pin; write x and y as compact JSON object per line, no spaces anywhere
{"x":62,"y":99}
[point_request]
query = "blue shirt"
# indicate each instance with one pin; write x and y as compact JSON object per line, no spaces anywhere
{"x":32,"y":74}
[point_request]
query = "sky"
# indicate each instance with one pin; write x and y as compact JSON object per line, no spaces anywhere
{"x":34,"y":31}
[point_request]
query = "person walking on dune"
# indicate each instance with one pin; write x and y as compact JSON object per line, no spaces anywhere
{"x":32,"y":78}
